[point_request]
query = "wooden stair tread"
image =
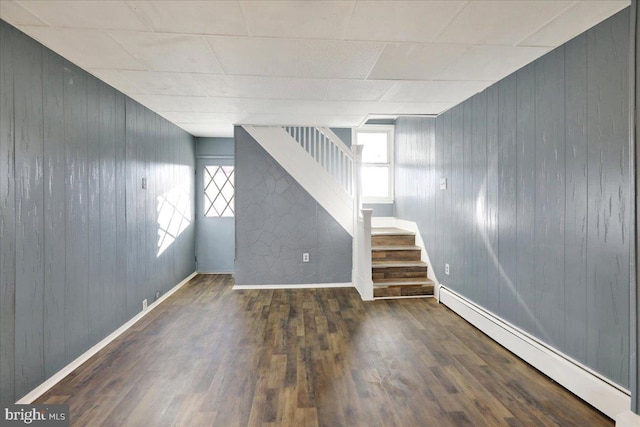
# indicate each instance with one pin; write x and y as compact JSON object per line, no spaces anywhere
{"x":408,"y":281}
{"x":395,"y":248}
{"x":403,"y":291}
{"x":387,"y":264}
{"x":391,"y":231}
{"x":397,"y":271}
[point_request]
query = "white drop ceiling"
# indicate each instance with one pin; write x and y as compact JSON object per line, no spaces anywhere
{"x":207,"y":65}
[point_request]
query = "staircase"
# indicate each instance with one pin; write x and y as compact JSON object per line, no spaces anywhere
{"x":318,"y":160}
{"x":386,"y":261}
{"x":396,"y":265}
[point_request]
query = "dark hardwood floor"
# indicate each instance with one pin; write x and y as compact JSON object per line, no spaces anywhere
{"x":210,"y":356}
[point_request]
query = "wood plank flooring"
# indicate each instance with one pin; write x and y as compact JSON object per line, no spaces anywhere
{"x":211,"y":356}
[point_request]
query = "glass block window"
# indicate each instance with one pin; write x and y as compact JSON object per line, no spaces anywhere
{"x":218,"y":191}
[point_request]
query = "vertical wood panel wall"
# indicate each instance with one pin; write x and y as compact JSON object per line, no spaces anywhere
{"x":78,"y":234}
{"x":535,"y":220}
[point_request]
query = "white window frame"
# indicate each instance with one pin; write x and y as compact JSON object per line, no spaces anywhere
{"x":390,"y":131}
{"x":206,"y":200}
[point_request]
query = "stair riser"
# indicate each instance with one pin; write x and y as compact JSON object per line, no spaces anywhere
{"x":399,"y":255}
{"x":402,"y":291}
{"x":387,"y":240}
{"x":398,"y":272}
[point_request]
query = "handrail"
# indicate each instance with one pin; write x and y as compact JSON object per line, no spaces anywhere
{"x":328,"y":150}
{"x":337,"y":141}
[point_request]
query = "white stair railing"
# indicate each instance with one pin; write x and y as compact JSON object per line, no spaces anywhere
{"x":314,"y":163}
{"x":328,"y":151}
{"x":328,"y":170}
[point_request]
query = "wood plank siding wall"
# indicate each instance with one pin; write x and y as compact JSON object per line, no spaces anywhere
{"x":535,"y":220}
{"x":78,"y":234}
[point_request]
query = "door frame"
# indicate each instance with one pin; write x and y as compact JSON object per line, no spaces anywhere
{"x":201,"y":162}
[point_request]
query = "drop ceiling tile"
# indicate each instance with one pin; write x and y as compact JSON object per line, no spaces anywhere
{"x":208,"y":129}
{"x":192,"y":17}
{"x":170,"y":52}
{"x":419,"y":108}
{"x":357,"y":90}
{"x":435,"y":91}
{"x":85,"y":48}
{"x":500,"y":22}
{"x":490,"y":62}
{"x":117,"y":80}
{"x":366,"y":108}
{"x":298,"y":19}
{"x":16,"y":15}
{"x":415,"y":61}
{"x":106,"y":15}
{"x":337,"y":59}
{"x":401,"y":20}
{"x":181,"y":117}
{"x":262,"y":87}
{"x":300,"y":120}
{"x":161,"y":103}
{"x":255,"y":56}
{"x":293,"y":107}
{"x":574,"y":21}
{"x":151,"y":82}
{"x":395,"y":108}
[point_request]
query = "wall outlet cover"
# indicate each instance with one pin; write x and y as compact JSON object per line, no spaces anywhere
{"x":446,"y":269}
{"x":305,"y":257}
{"x":144,"y":304}
{"x":443,"y":183}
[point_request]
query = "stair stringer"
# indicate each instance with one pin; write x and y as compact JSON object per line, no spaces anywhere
{"x":306,"y":171}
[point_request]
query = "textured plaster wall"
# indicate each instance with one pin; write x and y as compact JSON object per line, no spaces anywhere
{"x":277,"y":220}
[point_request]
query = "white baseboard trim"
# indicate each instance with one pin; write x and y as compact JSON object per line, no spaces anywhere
{"x":300,"y":286}
{"x":603,"y":394}
{"x":62,"y":373}
{"x":628,"y":419}
{"x":405,"y":297}
{"x":216,"y":272}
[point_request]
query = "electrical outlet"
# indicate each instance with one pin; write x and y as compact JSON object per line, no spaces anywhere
{"x":443,"y":183}
{"x":305,"y":257}
{"x":157,"y":294}
{"x":144,"y":183}
{"x":144,"y":304}
{"x":446,"y":269}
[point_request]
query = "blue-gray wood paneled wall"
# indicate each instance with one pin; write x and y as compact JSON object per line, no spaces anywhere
{"x":635,"y":177}
{"x":535,"y":220}
{"x":277,"y":220}
{"x":78,"y":234}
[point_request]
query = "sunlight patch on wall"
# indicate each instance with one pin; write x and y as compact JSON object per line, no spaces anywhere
{"x":174,"y":213}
